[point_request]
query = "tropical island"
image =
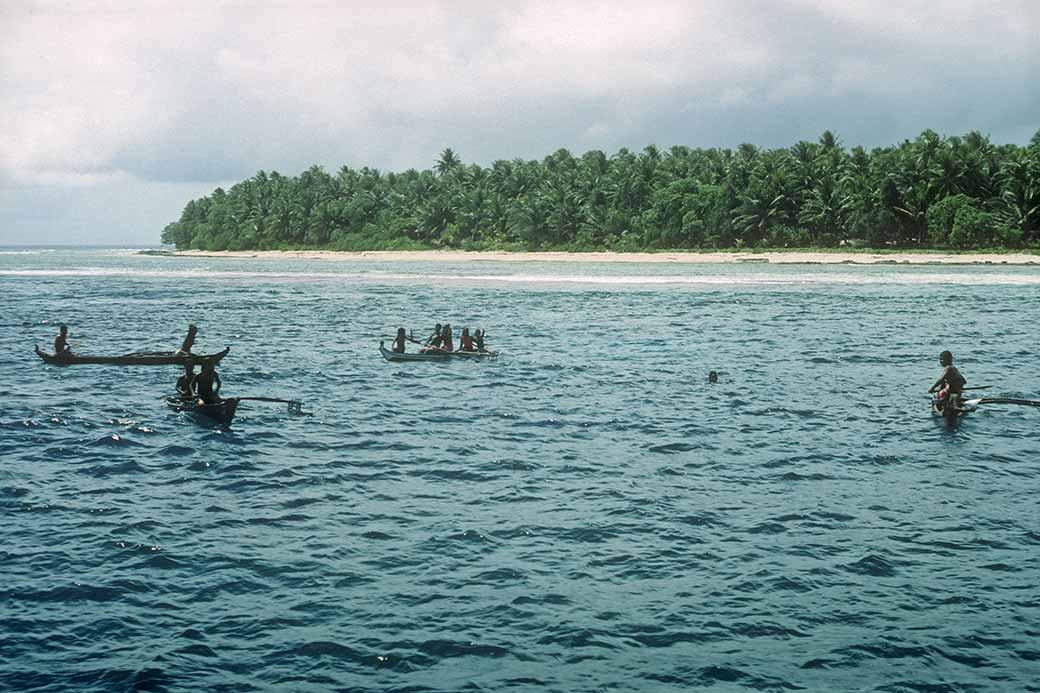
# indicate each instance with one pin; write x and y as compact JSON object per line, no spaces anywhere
{"x":943,"y":193}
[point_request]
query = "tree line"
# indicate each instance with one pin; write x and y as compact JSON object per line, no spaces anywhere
{"x":931,"y":192}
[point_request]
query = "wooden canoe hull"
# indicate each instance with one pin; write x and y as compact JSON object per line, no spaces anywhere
{"x":434,"y":355}
{"x":950,"y":413}
{"x":156,"y":358}
{"x":221,"y":413}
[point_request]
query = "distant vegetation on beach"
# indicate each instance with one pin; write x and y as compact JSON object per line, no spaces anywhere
{"x":932,"y":192}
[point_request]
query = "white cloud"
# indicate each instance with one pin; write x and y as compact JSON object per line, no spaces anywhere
{"x":199,"y":92}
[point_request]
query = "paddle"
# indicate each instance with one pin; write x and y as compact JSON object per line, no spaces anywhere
{"x":425,"y":345}
{"x":977,"y":387}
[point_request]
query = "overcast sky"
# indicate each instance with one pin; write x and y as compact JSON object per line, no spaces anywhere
{"x":113,"y":114}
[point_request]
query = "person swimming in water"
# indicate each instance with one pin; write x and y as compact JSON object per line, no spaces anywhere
{"x":950,"y":384}
{"x":61,"y":342}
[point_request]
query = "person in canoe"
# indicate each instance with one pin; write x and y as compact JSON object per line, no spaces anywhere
{"x":61,"y":342}
{"x":189,"y":339}
{"x":950,"y":384}
{"x":447,"y":343}
{"x":466,"y":341}
{"x":433,"y":341}
{"x":478,"y":339}
{"x":184,"y":382}
{"x":206,"y":385}
{"x":398,"y":345}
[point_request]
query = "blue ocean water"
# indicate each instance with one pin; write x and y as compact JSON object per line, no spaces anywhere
{"x":585,"y":513}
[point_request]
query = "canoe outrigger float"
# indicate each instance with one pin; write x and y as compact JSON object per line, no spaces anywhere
{"x":137,"y":358}
{"x":434,"y":355}
{"x":967,"y":406}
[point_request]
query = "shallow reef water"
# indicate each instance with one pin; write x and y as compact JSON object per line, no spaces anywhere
{"x":583,"y":513}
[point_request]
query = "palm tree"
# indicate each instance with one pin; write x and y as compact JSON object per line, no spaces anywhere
{"x":447,"y":162}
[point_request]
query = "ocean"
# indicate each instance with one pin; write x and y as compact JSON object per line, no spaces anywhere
{"x":584,"y":513}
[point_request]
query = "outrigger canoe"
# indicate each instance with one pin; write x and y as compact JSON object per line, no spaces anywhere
{"x":221,"y":413}
{"x":137,"y":358}
{"x":967,"y":406}
{"x":434,"y":355}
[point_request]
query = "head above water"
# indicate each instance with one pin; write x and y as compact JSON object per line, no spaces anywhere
{"x":945,"y":359}
{"x":64,"y":329}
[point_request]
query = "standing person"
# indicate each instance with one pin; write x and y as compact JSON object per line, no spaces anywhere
{"x":950,"y":384}
{"x":398,"y":346}
{"x":206,"y":385}
{"x":446,"y":338}
{"x":478,"y":339}
{"x":184,"y":382}
{"x":189,"y":339}
{"x":61,"y":342}
{"x":465,"y":341}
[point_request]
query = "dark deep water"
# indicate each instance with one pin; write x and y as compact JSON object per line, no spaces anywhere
{"x":586,"y":513}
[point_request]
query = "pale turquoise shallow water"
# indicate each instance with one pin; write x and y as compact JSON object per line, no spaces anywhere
{"x":586,"y":513}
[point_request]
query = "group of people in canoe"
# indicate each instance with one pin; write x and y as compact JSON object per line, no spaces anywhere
{"x":203,"y":387}
{"x":443,"y":339}
{"x":198,"y":393}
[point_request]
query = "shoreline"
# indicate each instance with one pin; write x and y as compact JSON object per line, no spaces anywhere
{"x":774,"y":258}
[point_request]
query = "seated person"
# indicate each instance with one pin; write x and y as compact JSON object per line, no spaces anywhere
{"x":61,"y":342}
{"x":465,"y":341}
{"x":435,"y":340}
{"x":950,"y":384}
{"x":398,"y":346}
{"x":206,"y":386}
{"x":184,"y":382}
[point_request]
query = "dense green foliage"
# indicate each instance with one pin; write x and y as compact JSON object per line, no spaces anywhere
{"x":958,"y":192}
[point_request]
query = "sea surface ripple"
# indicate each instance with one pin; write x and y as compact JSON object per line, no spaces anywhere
{"x":585,"y":513}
